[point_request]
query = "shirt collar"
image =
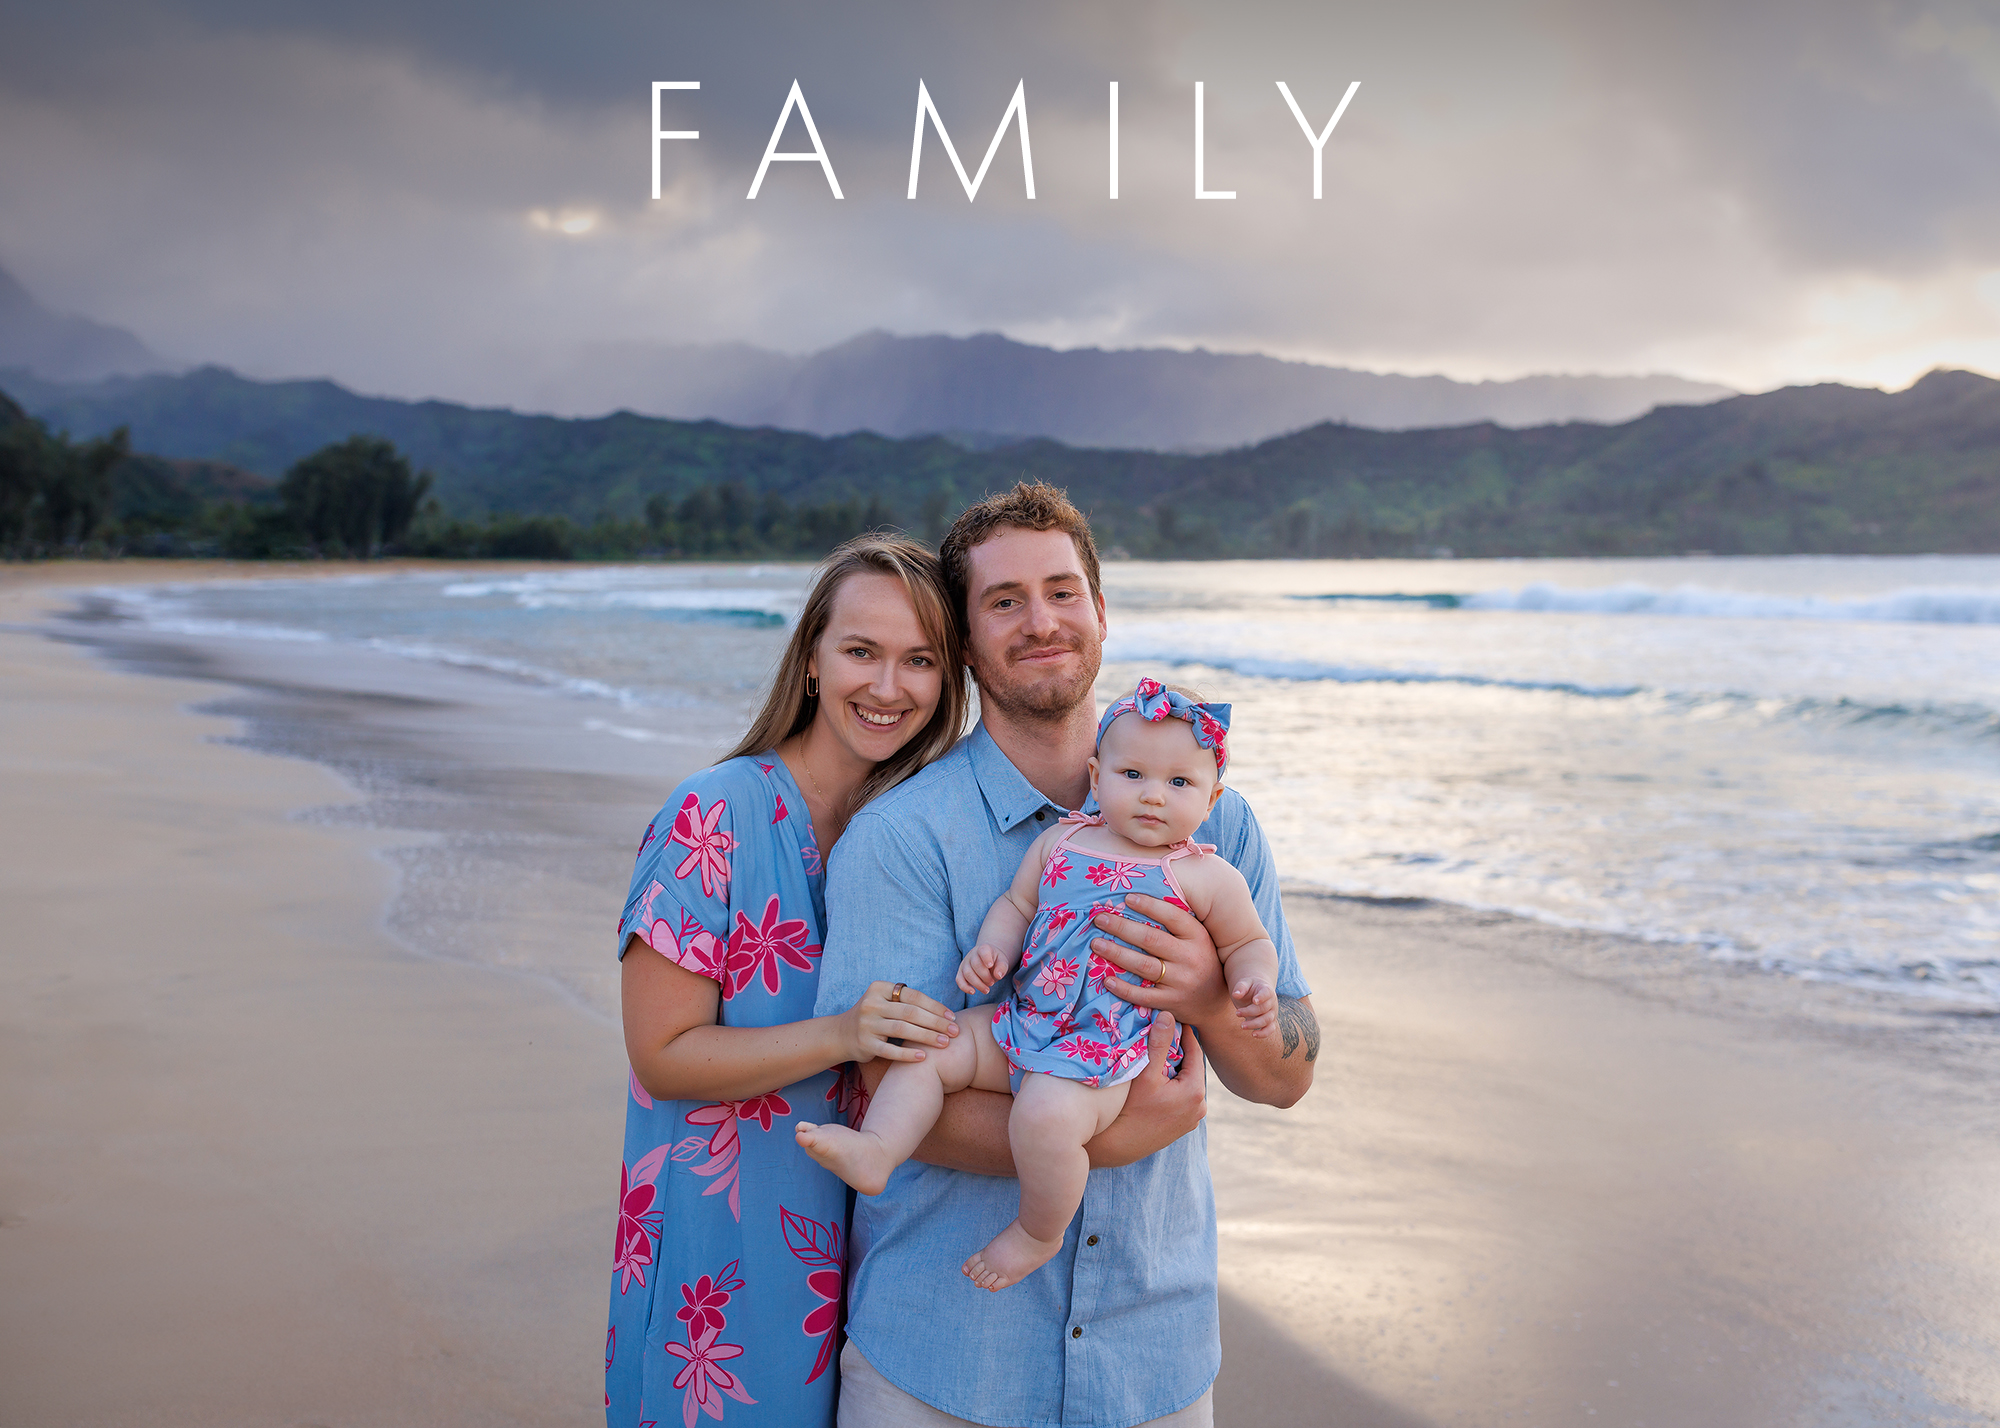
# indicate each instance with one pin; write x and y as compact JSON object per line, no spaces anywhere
{"x":1011,"y":797}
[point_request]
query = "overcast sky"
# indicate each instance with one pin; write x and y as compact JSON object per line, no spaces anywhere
{"x":438,"y":199}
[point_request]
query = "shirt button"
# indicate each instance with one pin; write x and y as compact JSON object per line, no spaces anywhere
{"x":1077,"y":1332}
{"x":1041,"y":814}
{"x":1091,"y":1241}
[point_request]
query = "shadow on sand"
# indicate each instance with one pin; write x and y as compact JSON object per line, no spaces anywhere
{"x":1267,"y":1379}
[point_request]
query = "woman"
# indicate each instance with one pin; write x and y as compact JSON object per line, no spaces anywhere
{"x":726,"y":1286}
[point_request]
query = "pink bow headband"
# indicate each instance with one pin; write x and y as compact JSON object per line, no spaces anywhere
{"x":1154,"y":702}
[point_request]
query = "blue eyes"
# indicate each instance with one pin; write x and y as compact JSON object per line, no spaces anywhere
{"x":1177,"y":781}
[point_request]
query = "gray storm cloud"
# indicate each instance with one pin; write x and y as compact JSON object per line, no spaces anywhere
{"x":453,"y":200}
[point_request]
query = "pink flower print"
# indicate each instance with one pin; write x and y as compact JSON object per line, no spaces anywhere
{"x":1065,"y":1024}
{"x":849,"y":1094}
{"x":1055,"y":977}
{"x":705,"y":1379}
{"x":1175,"y":899}
{"x":761,"y":1108}
{"x":708,"y":845}
{"x":1149,"y":688}
{"x":1100,"y":968}
{"x":1059,"y":917}
{"x":1115,"y":876}
{"x":684,"y":940}
{"x":999,"y":1011}
{"x":762,"y":946}
{"x":1055,"y":870}
{"x":810,"y":852}
{"x":1082,"y":1048}
{"x":638,"y":1218}
{"x":647,"y":841}
{"x":781,"y":815}
{"x":1092,"y":1081}
{"x":723,"y":1147}
{"x":764,"y":766}
{"x":704,"y":1300}
{"x":638,"y":1091}
{"x":1105,"y":1025}
{"x":815,"y":1244}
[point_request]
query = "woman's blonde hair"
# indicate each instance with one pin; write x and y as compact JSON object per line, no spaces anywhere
{"x":788,"y":709}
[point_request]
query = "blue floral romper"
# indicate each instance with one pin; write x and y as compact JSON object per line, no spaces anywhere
{"x":1059,"y":1018}
{"x":730,"y":1250}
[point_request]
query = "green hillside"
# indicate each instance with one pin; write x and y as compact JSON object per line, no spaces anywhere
{"x":1825,"y":469}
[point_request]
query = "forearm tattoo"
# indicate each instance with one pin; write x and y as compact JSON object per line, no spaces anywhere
{"x":1297,"y":1023}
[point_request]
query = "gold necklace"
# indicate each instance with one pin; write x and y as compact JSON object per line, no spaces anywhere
{"x":831,"y":807}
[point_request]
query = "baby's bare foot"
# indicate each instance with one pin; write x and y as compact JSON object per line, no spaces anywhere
{"x":855,"y":1156}
{"x":1013,"y":1255}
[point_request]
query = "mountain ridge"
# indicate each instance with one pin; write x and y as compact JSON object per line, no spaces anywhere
{"x":1825,"y":468}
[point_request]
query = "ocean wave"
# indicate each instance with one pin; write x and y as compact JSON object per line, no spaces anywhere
{"x":1437,"y":600}
{"x":1969,"y":982}
{"x":1261,"y":666}
{"x":1963,"y":719}
{"x":634,"y":590}
{"x":1917,"y":606}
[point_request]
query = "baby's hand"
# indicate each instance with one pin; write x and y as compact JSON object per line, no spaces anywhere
{"x":983,"y":966}
{"x":1256,"y":1004}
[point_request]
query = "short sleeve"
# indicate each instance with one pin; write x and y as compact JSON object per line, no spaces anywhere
{"x":889,"y":918}
{"x":679,"y":902}
{"x":1240,"y":839}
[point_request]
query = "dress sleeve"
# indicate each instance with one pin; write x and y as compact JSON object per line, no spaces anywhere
{"x":1240,"y":839}
{"x":679,"y":902}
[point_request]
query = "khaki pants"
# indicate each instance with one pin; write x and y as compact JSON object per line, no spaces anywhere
{"x":868,"y":1400}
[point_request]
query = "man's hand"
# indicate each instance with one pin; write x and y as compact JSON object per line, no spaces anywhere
{"x":1177,"y":958}
{"x":1158,"y":1110}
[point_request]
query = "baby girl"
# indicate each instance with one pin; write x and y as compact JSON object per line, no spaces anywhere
{"x":1064,"y":1044}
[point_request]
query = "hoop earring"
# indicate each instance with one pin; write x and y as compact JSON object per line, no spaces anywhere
{"x":812,"y":686}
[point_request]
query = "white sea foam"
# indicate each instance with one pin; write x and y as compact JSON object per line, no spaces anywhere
{"x":1939,"y":606}
{"x":691,"y":591}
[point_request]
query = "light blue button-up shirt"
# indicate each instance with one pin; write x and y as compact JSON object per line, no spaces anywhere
{"x":1120,"y":1327}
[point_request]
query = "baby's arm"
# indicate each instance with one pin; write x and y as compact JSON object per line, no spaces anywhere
{"x":1006,"y":925}
{"x":1249,"y":956}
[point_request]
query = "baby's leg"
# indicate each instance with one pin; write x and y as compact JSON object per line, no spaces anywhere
{"x":1052,"y":1121}
{"x":904,"y":1108}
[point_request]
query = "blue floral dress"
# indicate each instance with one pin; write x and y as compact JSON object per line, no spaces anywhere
{"x":1058,"y":1018}
{"x":730,"y":1250}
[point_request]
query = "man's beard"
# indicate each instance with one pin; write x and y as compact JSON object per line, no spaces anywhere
{"x":1049,"y":698}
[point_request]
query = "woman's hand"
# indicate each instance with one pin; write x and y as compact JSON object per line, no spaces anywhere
{"x":983,"y":966}
{"x":895,"y":1022}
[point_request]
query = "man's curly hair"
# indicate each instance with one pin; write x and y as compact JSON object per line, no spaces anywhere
{"x":1031,"y":505}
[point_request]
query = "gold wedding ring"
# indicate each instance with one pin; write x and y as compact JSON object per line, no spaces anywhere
{"x":1160,"y":980}
{"x":896,"y":992}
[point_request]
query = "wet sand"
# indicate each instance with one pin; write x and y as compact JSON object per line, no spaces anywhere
{"x":262,"y":1162}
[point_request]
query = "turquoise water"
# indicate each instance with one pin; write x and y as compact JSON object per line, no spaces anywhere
{"x":1790,"y":763}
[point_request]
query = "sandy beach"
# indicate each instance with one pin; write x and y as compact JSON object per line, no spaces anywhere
{"x":277,"y":1148}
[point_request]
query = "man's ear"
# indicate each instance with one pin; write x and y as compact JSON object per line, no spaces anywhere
{"x":1214,"y":794}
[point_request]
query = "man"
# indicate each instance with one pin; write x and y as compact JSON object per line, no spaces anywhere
{"x":1119,"y":1329}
